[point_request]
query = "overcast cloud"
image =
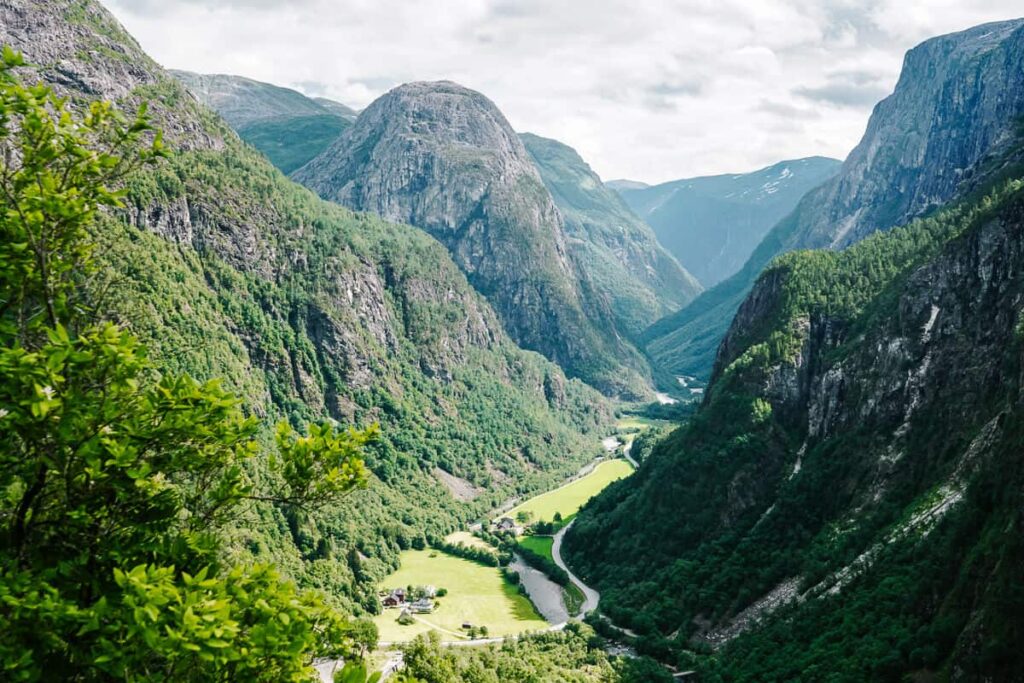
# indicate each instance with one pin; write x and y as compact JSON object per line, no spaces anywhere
{"x":645,"y":89}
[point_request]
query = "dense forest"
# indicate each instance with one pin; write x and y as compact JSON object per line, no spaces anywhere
{"x":682,"y":556}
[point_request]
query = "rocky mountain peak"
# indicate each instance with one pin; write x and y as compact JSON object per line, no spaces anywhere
{"x":442,"y":157}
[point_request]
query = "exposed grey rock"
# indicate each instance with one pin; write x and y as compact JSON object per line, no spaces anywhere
{"x":443,"y":158}
{"x":956,"y":107}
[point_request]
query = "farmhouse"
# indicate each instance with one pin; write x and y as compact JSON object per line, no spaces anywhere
{"x":506,"y":524}
{"x":395,"y":598}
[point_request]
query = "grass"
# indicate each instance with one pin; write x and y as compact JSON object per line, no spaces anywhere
{"x":538,"y":544}
{"x":468,"y":539}
{"x":635,"y":423}
{"x":476,"y":594}
{"x":573,"y":598}
{"x":568,"y":499}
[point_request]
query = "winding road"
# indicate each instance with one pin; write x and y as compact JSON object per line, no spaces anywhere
{"x":590,"y":596}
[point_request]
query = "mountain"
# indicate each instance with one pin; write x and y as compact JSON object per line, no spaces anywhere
{"x":617,"y":249}
{"x":443,"y":158}
{"x":712,"y":223}
{"x":846,"y":504}
{"x":950,"y":124}
{"x":342,"y":110}
{"x":624,"y":184}
{"x":284,"y":124}
{"x":225,"y":268}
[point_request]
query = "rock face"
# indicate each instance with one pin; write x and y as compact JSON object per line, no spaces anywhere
{"x":952,"y":124}
{"x":288,"y":127}
{"x":957,"y":107}
{"x":615,"y":248}
{"x":443,"y":158}
{"x":713,"y":223}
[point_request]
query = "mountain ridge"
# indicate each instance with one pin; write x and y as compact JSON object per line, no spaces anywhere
{"x":611,"y":242}
{"x":287,"y":126}
{"x":713,"y":223}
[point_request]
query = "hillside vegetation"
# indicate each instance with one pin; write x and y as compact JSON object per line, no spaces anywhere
{"x":836,"y":472}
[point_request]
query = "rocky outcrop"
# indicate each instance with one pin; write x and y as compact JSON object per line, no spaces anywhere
{"x":615,"y":249}
{"x":443,"y":158}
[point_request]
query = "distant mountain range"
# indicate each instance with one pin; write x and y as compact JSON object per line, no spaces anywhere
{"x":711,"y":224}
{"x":287,"y":126}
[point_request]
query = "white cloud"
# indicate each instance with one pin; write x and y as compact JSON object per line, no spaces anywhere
{"x":645,"y":89}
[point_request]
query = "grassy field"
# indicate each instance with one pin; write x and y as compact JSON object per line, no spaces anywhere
{"x":637,"y":423}
{"x":538,"y":544}
{"x":468,"y":539}
{"x":571,"y":497}
{"x":476,"y":594}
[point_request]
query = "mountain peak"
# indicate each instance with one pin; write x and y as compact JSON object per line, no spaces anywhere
{"x":442,"y":157}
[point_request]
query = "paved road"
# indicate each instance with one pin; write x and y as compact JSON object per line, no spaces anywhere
{"x":590,"y":596}
{"x":626,"y":454}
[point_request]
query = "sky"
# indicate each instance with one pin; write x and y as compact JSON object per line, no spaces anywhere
{"x":650,"y":90}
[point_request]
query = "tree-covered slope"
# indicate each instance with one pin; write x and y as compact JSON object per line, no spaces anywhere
{"x":952,"y":122}
{"x":854,"y":478}
{"x":618,"y":251}
{"x":443,"y":158}
{"x":284,"y":124}
{"x":226,"y":268}
{"x":712,"y":223}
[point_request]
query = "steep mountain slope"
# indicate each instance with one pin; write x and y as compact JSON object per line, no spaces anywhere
{"x":342,"y":110}
{"x":284,"y":124}
{"x":443,"y":158}
{"x":951,"y":123}
{"x":617,"y":249}
{"x":712,"y":223}
{"x":226,"y":268}
{"x":858,"y":459}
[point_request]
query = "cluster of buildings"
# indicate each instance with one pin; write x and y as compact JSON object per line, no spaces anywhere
{"x":399,"y":599}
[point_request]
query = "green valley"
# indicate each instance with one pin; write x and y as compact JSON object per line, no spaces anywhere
{"x":291,"y":392}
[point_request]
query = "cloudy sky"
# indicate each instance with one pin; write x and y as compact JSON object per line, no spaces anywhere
{"x":645,"y":89}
